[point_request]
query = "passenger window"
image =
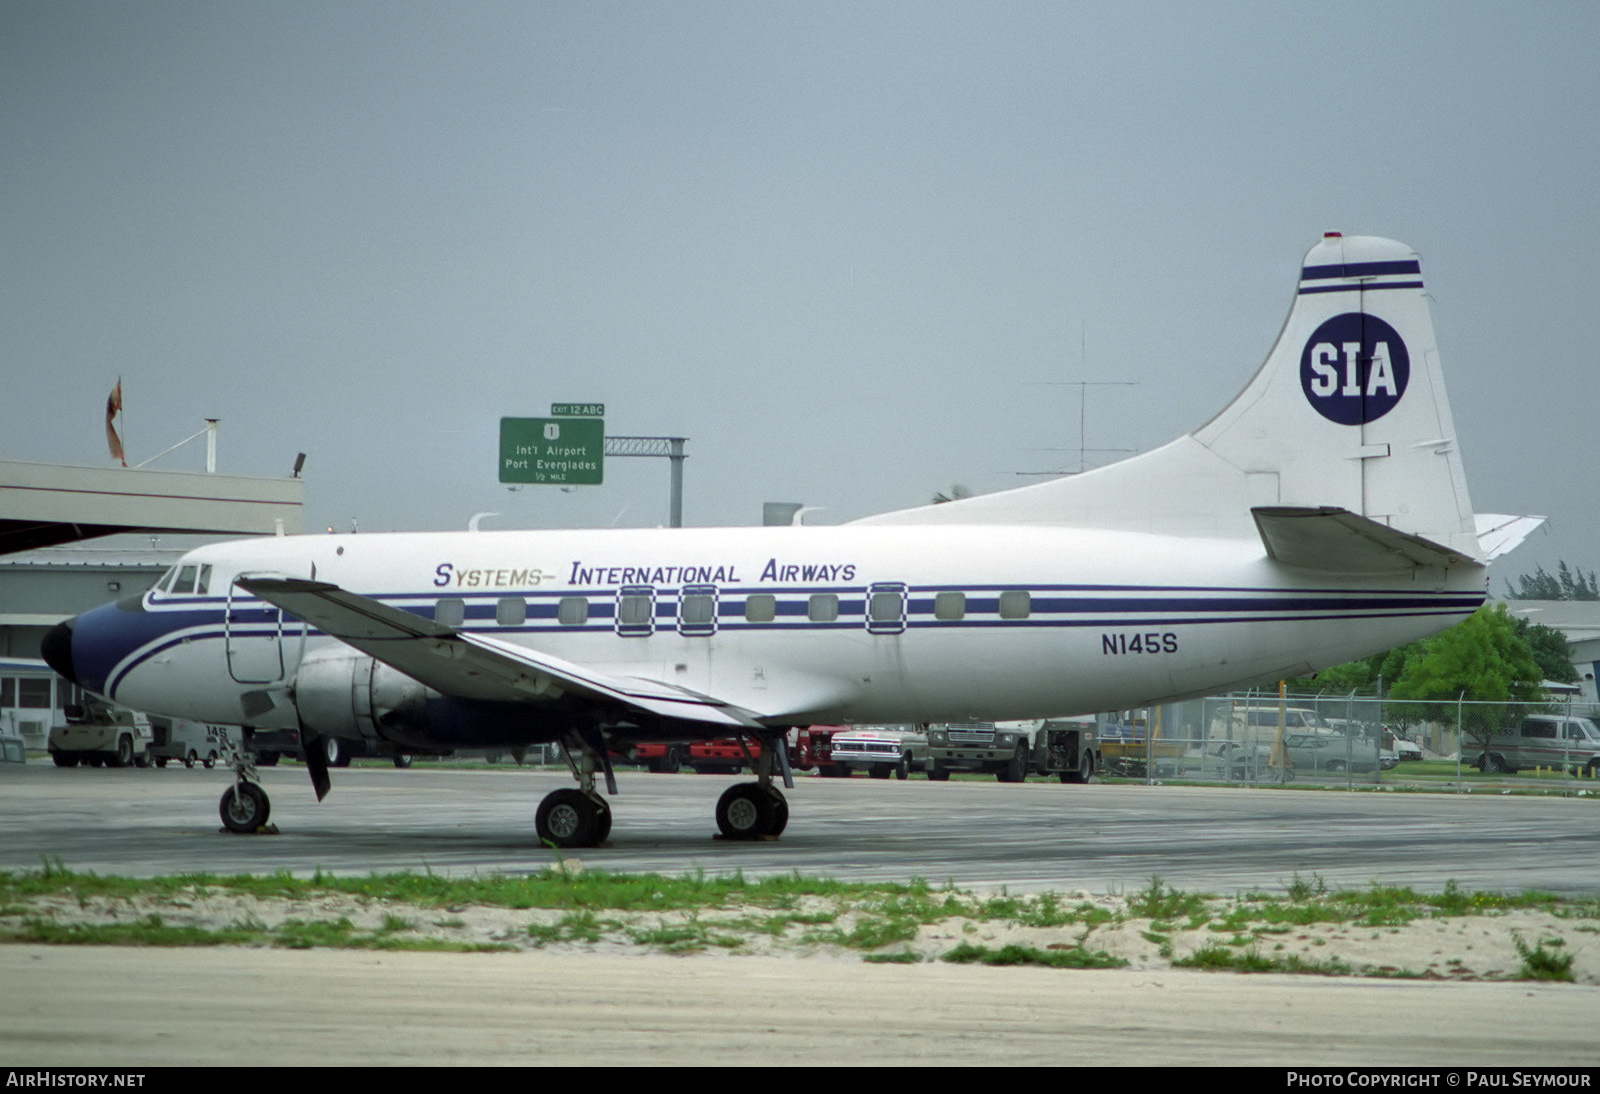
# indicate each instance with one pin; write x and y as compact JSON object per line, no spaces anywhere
{"x":760,"y":608}
{"x":450,"y":612}
{"x":511,"y":611}
{"x":1015,"y":604}
{"x":636,"y":610}
{"x":886,"y":608}
{"x":950,"y":606}
{"x":697,"y":610}
{"x":823,"y":607}
{"x":573,"y":611}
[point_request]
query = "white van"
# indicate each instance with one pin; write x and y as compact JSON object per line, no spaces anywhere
{"x":1544,"y":740}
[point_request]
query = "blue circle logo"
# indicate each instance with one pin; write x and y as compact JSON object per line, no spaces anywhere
{"x":1354,"y":368}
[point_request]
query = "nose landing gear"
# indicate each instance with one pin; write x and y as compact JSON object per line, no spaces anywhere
{"x":244,"y":807}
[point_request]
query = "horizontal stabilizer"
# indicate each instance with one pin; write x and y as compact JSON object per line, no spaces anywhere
{"x":473,"y":666}
{"x":1499,"y":533}
{"x":1339,"y":541}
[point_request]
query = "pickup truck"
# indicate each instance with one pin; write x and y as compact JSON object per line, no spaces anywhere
{"x":881,"y":751}
{"x":1064,"y":747}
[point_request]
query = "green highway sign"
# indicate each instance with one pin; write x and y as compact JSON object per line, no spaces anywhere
{"x":552,"y":451}
{"x":577,"y":410}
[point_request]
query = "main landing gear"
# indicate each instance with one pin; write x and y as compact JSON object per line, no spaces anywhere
{"x":582,"y":818}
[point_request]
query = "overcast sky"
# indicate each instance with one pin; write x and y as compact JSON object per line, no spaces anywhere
{"x":841,"y":247}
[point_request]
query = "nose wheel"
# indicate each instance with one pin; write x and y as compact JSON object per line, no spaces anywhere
{"x":244,"y":807}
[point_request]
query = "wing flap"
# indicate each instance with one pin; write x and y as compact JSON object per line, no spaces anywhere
{"x":1339,"y":541}
{"x":476,"y":666}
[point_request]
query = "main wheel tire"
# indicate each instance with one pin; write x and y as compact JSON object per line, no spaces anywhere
{"x":1016,"y":769}
{"x":746,"y":812}
{"x":570,"y":818}
{"x":244,"y":807}
{"x":336,"y":751}
{"x":1085,"y":770}
{"x":780,"y":813}
{"x":402,"y":762}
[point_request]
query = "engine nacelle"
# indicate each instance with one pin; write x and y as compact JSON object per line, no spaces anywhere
{"x":345,"y":693}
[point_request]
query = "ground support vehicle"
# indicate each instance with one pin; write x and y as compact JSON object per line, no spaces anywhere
{"x":662,"y":757}
{"x":98,"y":733}
{"x":809,"y":748}
{"x":1126,"y":749}
{"x":1544,"y":740}
{"x":192,"y":743}
{"x":880,"y":751}
{"x":1066,"y":748}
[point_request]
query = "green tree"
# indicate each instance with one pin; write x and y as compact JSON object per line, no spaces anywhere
{"x":1564,"y":585}
{"x":1550,"y":651}
{"x":1482,"y":660}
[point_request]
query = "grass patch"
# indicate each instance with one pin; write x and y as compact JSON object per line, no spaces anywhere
{"x":1546,"y":960}
{"x":889,"y":923}
{"x":1068,"y":957}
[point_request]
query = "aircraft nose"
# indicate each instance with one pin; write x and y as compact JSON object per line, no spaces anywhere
{"x":56,"y":649}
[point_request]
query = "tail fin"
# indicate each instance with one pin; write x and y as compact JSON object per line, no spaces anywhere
{"x":1348,"y":411}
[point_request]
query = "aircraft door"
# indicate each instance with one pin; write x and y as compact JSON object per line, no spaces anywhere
{"x":259,"y":639}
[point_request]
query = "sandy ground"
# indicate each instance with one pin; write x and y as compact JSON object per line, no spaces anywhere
{"x":779,"y":1000}
{"x":1475,"y":947}
{"x":133,"y":1008}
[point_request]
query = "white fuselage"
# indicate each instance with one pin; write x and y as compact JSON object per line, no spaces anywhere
{"x":800,"y":625}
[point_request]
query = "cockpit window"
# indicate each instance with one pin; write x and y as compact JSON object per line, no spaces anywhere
{"x":185,"y":582}
{"x":166,"y":580}
{"x":202,"y":584}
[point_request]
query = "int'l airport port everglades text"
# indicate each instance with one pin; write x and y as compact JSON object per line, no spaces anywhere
{"x":1470,"y":1080}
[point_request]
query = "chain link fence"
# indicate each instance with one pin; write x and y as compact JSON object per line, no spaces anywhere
{"x":1258,"y":738}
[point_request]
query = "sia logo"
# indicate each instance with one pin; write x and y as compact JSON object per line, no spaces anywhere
{"x":1354,"y":368}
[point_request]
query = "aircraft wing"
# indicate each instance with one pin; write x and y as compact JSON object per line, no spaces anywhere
{"x":475,"y":666}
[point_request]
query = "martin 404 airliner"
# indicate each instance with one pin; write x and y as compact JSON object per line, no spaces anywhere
{"x":1321,"y":516}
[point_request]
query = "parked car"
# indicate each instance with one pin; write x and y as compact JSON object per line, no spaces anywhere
{"x":1322,"y":752}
